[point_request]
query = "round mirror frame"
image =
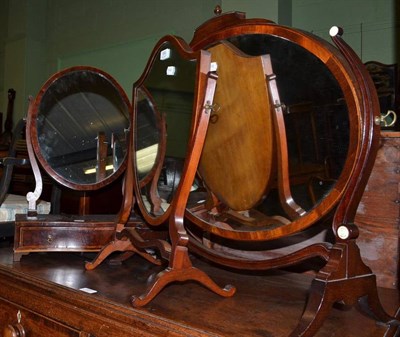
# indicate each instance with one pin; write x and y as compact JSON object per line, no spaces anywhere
{"x":35,"y":112}
{"x":360,"y":125}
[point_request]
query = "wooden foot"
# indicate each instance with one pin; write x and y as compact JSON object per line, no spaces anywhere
{"x":119,"y":246}
{"x":17,"y":256}
{"x":360,"y":291}
{"x":120,"y":258}
{"x":180,"y":271}
{"x":348,"y":284}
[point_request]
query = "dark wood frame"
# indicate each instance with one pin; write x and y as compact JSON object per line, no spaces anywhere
{"x":33,"y":141}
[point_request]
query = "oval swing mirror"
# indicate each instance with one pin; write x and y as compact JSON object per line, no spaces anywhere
{"x":79,"y":128}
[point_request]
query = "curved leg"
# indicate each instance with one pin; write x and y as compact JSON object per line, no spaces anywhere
{"x":121,"y":258}
{"x":118,"y":246}
{"x":371,"y":306}
{"x":353,"y":287}
{"x":317,"y":309}
{"x":180,"y":271}
{"x":360,"y":291}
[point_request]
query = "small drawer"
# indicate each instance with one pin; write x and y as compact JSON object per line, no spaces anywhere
{"x":52,"y":234}
{"x":16,"y":321}
{"x":66,"y":238}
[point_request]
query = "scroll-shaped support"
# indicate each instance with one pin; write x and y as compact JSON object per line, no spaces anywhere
{"x":32,"y":197}
{"x":347,"y":280}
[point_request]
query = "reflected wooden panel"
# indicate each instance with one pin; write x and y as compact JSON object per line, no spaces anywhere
{"x":239,"y":137}
{"x":305,"y":143}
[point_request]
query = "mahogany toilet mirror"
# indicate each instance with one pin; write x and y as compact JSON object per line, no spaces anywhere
{"x":283,"y":191}
{"x":171,"y":108}
{"x":78,"y":127}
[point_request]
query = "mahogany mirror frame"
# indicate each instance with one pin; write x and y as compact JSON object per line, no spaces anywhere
{"x":201,"y":93}
{"x":173,"y":248}
{"x":364,"y":131}
{"x":33,"y":137}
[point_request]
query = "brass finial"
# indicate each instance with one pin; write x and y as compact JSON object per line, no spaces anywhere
{"x":217,"y":10}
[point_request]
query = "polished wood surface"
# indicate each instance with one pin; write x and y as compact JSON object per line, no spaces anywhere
{"x":240,"y":136}
{"x":45,"y":288}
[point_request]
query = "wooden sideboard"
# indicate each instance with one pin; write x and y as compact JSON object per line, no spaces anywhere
{"x":378,"y":215}
{"x":42,"y":294}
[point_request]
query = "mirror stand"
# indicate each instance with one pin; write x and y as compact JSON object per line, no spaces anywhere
{"x":129,"y":240}
{"x":345,"y":280}
{"x":33,"y":197}
{"x":172,"y":247}
{"x":76,"y":130}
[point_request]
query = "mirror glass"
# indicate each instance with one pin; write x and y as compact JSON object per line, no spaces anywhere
{"x":316,"y":123}
{"x":82,"y":125}
{"x":163,"y":112}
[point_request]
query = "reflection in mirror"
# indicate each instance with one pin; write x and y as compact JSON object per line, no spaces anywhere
{"x":315,"y":128}
{"x":163,"y":115}
{"x":82,"y":123}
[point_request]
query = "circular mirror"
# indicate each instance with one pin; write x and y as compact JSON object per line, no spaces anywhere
{"x":310,"y":103}
{"x":80,"y":124}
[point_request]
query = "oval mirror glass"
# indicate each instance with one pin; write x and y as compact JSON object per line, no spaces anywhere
{"x":81,"y":120}
{"x":163,"y":115}
{"x":302,"y":105}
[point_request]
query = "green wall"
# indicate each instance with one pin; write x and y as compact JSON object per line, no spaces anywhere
{"x":44,"y":36}
{"x":370,"y":26}
{"x":40,"y":37}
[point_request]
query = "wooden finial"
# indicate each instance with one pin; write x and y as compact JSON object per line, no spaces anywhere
{"x":217,"y":10}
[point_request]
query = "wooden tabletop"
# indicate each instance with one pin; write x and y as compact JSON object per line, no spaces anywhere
{"x":273,"y":311}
